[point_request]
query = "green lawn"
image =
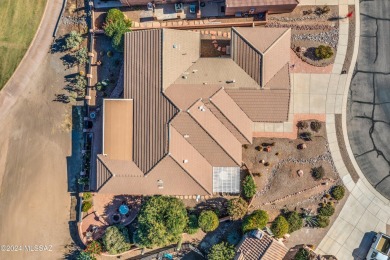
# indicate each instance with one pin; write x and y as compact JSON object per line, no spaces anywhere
{"x":19,"y":20}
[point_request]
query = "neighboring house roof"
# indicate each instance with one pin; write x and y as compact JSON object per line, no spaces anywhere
{"x":254,"y":3}
{"x":189,"y":116}
{"x":258,"y":245}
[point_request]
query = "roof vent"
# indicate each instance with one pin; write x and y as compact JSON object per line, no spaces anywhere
{"x":176,"y":46}
{"x":231,"y":81}
{"x":186,"y":136}
{"x":184,"y":77}
{"x":202,"y":108}
{"x":160,"y":184}
{"x":185,"y":161}
{"x":194,"y":71}
{"x":204,"y":83}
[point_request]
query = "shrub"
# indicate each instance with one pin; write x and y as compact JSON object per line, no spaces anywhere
{"x":249,"y":187}
{"x":87,"y":196}
{"x":237,"y":208}
{"x":94,"y":248}
{"x":318,"y":173}
{"x":161,"y":221}
{"x":221,"y":251}
{"x":192,"y":226}
{"x":326,"y":210}
{"x":81,"y":56}
{"x":295,"y":221}
{"x":116,"y":26}
{"x":280,"y":227}
{"x":257,"y":220}
{"x":315,"y":126}
{"x":323,"y":52}
{"x":302,"y":254}
{"x":85,"y":256}
{"x":208,"y":221}
{"x":338,"y":192}
{"x":305,"y":136}
{"x":116,"y":239}
{"x":73,"y":40}
{"x":323,"y":221}
{"x":303,"y":125}
{"x":87,"y":205}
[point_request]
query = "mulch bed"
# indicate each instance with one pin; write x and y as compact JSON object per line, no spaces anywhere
{"x":351,"y":40}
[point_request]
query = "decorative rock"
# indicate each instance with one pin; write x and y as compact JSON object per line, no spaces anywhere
{"x":300,"y":173}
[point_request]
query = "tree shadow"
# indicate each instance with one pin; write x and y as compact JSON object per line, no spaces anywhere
{"x":217,"y":205}
{"x":69,"y":60}
{"x":111,"y":209}
{"x":58,"y":45}
{"x":310,"y":53}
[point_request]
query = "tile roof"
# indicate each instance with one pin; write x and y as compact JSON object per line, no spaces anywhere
{"x":265,"y":248}
{"x":190,"y":114}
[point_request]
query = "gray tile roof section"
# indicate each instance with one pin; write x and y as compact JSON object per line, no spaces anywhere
{"x":143,"y":84}
{"x":253,"y":3}
{"x":180,"y":50}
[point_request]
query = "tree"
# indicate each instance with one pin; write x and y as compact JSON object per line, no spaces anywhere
{"x":221,"y":251}
{"x":280,"y":227}
{"x":302,"y":254}
{"x":79,"y":83}
{"x":87,"y":205}
{"x":208,"y":221}
{"x":72,"y":41}
{"x":237,"y":208}
{"x":85,"y":256}
{"x":87,"y":196}
{"x":192,"y":226}
{"x":326,"y":210}
{"x":295,"y":221}
{"x":81,"y":56}
{"x":249,"y":187}
{"x":338,"y":192}
{"x":257,"y":220}
{"x":323,"y":52}
{"x":94,"y":248}
{"x":116,"y":239}
{"x":116,"y":26}
{"x":161,"y":221}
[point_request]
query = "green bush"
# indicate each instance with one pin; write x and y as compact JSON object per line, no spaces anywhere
{"x":81,"y":56}
{"x":161,"y":221}
{"x":315,"y":126}
{"x":116,"y":239}
{"x":73,"y":40}
{"x":85,"y":256}
{"x":302,"y":254}
{"x":323,"y":52}
{"x":323,"y":221}
{"x":221,"y":251}
{"x":303,"y":125}
{"x":116,"y":26}
{"x":87,"y":205}
{"x":318,"y":173}
{"x":208,"y":221}
{"x":305,"y":136}
{"x":249,"y":187}
{"x":79,"y":83}
{"x":94,"y":248}
{"x":338,"y":192}
{"x":326,"y":210}
{"x":192,"y":226}
{"x":257,"y":220}
{"x":237,"y":208}
{"x":280,"y":227}
{"x":87,"y":196}
{"x":295,"y":221}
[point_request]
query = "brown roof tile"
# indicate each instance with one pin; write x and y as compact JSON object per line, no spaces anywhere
{"x":265,"y":248}
{"x":216,"y":130}
{"x":202,"y":141}
{"x":152,"y":110}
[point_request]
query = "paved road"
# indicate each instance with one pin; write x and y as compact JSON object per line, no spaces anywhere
{"x":369,"y":98}
{"x":35,"y":149}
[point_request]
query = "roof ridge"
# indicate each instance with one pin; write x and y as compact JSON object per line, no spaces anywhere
{"x":213,"y":137}
{"x":192,"y":177}
{"x":277,"y":39}
{"x":247,"y":41}
{"x":108,"y":169}
{"x":210,"y":98}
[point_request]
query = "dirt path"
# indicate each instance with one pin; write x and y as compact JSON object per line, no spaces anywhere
{"x":34,"y":152}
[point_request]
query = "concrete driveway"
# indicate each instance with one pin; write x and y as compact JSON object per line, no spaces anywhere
{"x":35,"y":148}
{"x":368,"y":111}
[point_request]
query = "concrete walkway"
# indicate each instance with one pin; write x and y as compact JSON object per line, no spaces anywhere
{"x":366,"y":211}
